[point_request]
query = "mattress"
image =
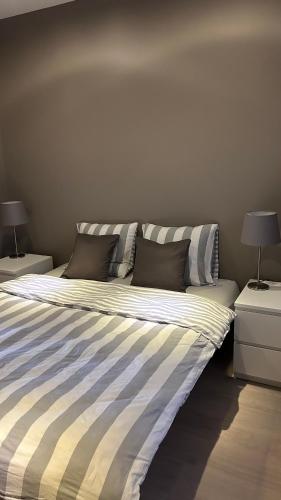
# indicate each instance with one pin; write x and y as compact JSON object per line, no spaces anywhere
{"x":92,"y":375}
{"x":225,"y":292}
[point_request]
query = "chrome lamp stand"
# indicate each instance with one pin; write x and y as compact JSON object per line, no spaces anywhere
{"x":16,"y":255}
{"x":258,"y":285}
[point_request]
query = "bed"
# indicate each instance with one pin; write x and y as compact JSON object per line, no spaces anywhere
{"x":91,"y":377}
{"x":225,"y":292}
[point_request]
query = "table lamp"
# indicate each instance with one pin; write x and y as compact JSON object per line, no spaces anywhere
{"x":260,"y":229}
{"x":13,"y":214}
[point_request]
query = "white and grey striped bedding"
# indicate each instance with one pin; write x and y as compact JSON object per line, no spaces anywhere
{"x":203,"y":256}
{"x":90,"y":386}
{"x":123,"y":256}
{"x":225,"y":292}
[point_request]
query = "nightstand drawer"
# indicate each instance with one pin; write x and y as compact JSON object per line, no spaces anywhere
{"x":258,"y":329}
{"x":255,"y":363}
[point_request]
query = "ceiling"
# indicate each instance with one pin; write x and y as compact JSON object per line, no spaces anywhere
{"x":9,"y":8}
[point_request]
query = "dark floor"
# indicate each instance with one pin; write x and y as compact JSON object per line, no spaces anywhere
{"x":225,"y":443}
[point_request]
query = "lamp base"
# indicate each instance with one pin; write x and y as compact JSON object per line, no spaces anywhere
{"x":16,"y":256}
{"x":258,"y":285}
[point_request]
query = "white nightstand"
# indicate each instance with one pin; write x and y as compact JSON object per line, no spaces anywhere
{"x":35,"y":264}
{"x":257,"y":335}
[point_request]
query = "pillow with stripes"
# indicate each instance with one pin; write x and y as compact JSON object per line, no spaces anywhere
{"x":215,"y":259}
{"x":122,"y":259}
{"x":203,"y":264}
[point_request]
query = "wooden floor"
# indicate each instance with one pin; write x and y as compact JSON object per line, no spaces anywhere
{"x":225,"y":443}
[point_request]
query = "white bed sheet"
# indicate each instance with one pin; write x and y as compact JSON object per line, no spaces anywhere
{"x":225,"y":291}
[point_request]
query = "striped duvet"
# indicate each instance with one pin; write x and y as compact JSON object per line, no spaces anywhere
{"x":91,"y":378}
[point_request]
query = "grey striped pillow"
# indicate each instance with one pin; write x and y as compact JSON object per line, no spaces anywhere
{"x":215,"y":260}
{"x":203,"y":264}
{"x":123,"y":256}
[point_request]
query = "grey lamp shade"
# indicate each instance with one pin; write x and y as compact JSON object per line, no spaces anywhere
{"x":261,"y":229}
{"x":13,"y":213}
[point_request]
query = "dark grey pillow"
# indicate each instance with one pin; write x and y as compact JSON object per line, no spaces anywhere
{"x":91,"y":257}
{"x":160,"y":265}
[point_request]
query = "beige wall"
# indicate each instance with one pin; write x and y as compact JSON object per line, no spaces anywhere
{"x":2,"y":175}
{"x":145,"y":110}
{"x":3,"y":193}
